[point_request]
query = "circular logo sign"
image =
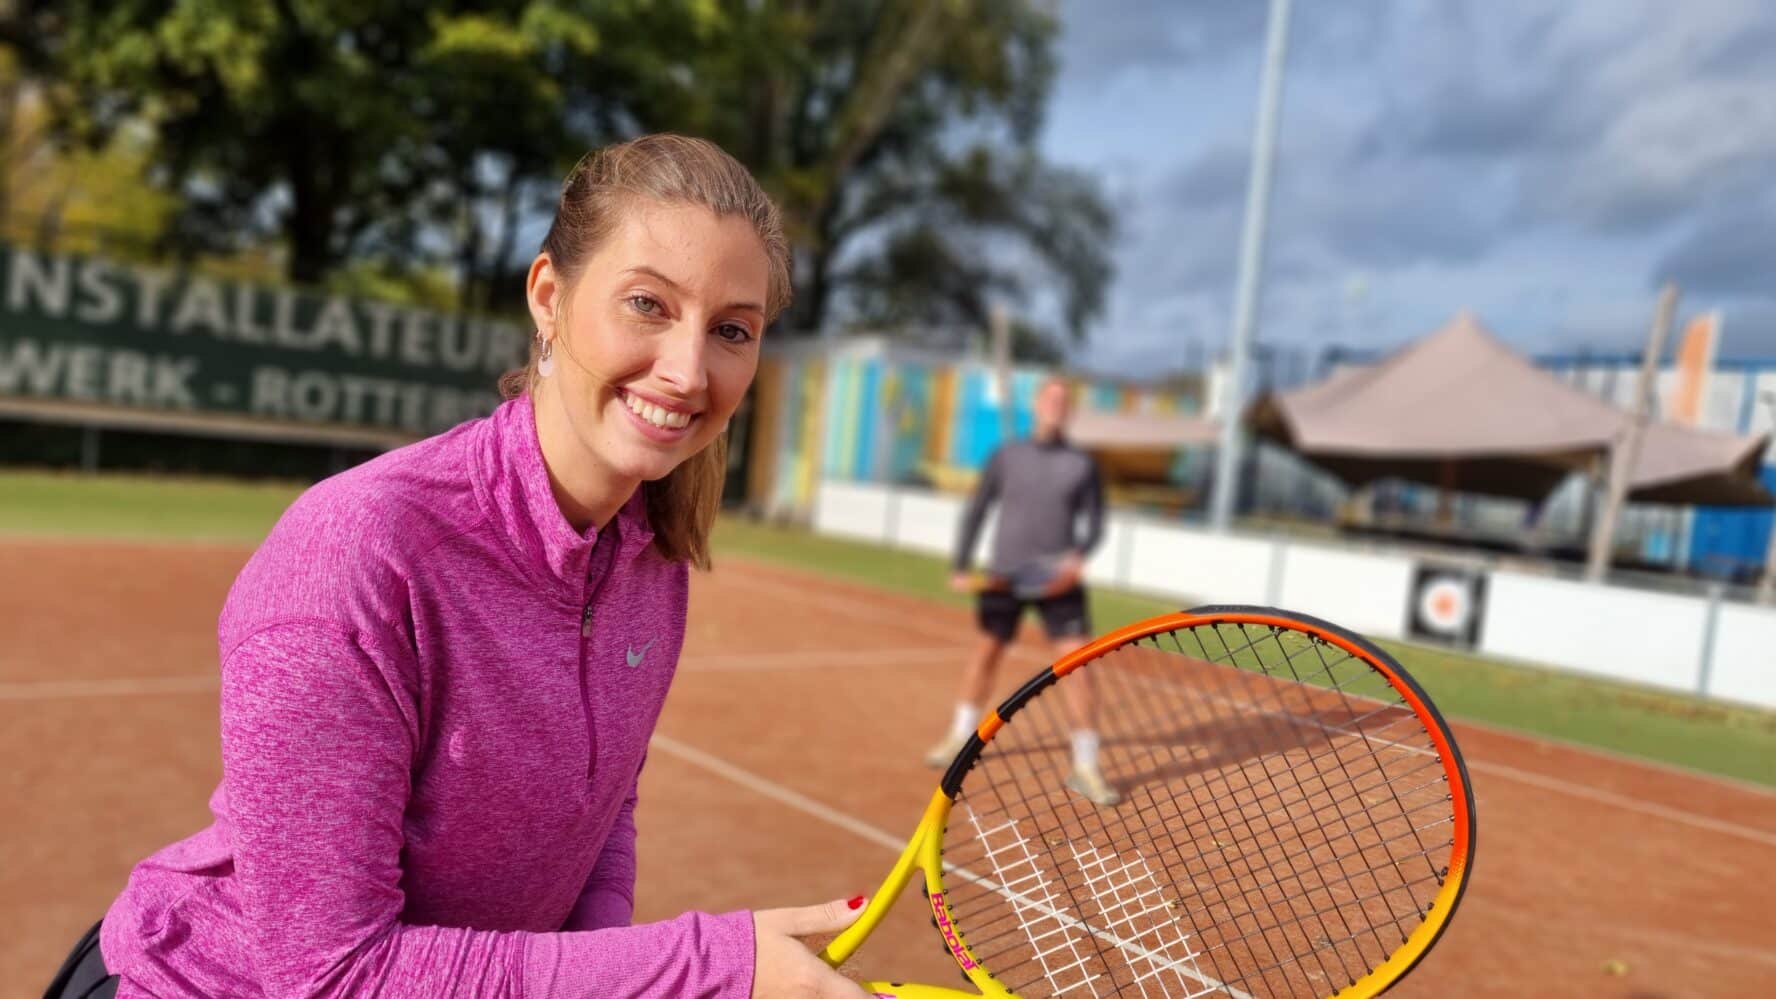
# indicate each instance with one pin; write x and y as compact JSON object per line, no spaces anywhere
{"x":1443,"y":605}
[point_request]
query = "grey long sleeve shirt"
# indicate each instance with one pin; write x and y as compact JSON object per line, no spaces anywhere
{"x":1044,"y":490}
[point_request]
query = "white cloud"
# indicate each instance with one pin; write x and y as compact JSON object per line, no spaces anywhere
{"x":1542,"y":164}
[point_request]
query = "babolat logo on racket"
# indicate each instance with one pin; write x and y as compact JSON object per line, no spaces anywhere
{"x":949,"y":932}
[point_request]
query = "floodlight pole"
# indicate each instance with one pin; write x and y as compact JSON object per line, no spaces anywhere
{"x":999,"y":329}
{"x":1233,"y":389}
{"x":1767,"y":584}
{"x":1624,"y":451}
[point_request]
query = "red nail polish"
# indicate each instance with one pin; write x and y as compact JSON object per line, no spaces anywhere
{"x":856,"y":903}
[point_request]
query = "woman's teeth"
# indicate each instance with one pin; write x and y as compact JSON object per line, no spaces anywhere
{"x":665,"y":419}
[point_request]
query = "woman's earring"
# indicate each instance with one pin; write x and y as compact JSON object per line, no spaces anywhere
{"x":546,"y":356}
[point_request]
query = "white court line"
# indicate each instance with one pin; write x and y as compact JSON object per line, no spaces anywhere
{"x":1524,"y":776}
{"x":203,"y":683}
{"x":80,"y":539}
{"x":855,"y":607}
{"x":832,"y":816}
{"x":1106,"y":890}
{"x":59,"y":689}
{"x":819,"y":659}
{"x":775,"y":791}
{"x":51,"y":690}
{"x":1537,"y":922}
{"x":877,"y":612}
{"x":1025,"y":923}
{"x":1622,"y":801}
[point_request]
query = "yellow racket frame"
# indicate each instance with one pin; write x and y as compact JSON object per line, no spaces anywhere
{"x":924,"y":852}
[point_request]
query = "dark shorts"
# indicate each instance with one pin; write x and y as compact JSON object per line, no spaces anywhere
{"x":1064,"y":615}
{"x":83,"y":974}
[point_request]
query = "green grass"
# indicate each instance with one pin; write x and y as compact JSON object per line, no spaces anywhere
{"x":1731,"y":741}
{"x":1670,"y":728}
{"x":46,"y":503}
{"x":903,"y":572}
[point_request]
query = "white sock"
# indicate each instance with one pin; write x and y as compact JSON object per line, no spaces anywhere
{"x":1085,"y":749}
{"x":967,"y":720}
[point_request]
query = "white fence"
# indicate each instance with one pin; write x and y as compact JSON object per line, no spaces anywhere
{"x":1684,"y":643}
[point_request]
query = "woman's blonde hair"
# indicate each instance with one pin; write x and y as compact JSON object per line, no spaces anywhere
{"x":672,"y":169}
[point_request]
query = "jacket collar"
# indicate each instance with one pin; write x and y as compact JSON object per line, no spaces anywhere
{"x":512,"y":483}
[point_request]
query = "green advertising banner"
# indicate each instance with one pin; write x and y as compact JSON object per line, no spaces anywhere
{"x":91,"y":331}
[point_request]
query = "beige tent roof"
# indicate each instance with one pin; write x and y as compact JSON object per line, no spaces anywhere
{"x":1139,"y":447}
{"x":1461,"y":402}
{"x":1116,"y":430}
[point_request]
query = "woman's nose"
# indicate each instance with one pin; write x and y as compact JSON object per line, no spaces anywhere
{"x":680,"y":362}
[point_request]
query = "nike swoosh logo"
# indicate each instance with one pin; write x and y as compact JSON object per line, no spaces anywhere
{"x":635,"y":657}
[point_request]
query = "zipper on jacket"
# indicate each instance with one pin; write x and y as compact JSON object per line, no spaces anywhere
{"x":586,"y":619}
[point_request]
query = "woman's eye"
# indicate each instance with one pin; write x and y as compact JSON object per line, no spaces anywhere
{"x":644,"y":305}
{"x":733,"y":332}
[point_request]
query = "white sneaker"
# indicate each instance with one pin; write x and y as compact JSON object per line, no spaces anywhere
{"x":1089,"y":784}
{"x":944,"y":753}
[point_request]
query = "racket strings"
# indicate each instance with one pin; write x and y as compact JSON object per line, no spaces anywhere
{"x":1374,"y":756}
{"x":1368,"y":813}
{"x":1206,"y":802}
{"x":1278,"y":834}
{"x":1377,"y":754}
{"x":1251,"y":897}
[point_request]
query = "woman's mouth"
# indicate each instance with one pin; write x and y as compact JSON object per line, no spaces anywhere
{"x":659,"y":422}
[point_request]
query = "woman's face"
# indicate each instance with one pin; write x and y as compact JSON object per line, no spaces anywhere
{"x":660,"y":337}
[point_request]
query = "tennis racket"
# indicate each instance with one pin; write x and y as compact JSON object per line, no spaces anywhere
{"x":1295,"y":821}
{"x":1032,"y":581}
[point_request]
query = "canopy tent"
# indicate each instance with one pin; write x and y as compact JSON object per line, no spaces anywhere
{"x":1461,"y":410}
{"x":1113,"y":429}
{"x":1140,"y":447}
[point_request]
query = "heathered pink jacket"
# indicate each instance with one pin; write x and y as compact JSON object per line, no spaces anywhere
{"x":436,"y":698}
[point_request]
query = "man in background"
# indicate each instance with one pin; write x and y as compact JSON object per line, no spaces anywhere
{"x":1051,"y":516}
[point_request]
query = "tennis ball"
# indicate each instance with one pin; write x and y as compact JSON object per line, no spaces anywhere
{"x":1616,"y":967}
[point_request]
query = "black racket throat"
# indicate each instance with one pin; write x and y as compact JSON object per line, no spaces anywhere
{"x":970,"y":752}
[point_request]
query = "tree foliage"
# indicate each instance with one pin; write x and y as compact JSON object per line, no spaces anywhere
{"x":899,"y":135}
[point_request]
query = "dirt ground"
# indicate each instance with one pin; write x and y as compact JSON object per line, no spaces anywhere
{"x":787,"y":767}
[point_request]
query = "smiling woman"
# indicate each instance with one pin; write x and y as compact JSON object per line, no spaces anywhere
{"x":441,"y":669}
{"x":664,"y":265}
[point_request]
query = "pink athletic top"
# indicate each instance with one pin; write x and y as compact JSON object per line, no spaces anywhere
{"x":436,"y":699}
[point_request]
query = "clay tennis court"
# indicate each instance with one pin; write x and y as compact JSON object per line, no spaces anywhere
{"x":786,"y":771}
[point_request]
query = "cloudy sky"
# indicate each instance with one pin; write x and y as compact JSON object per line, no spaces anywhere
{"x":1544,"y":164}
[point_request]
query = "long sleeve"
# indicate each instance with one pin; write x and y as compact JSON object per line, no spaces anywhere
{"x":1091,"y":504}
{"x":320,"y":728}
{"x":985,"y":492}
{"x":609,"y":896}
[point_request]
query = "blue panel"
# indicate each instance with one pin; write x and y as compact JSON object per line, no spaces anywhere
{"x":961,"y":418}
{"x":910,"y":422}
{"x":1023,"y":395}
{"x":789,"y":434}
{"x":981,"y":418}
{"x":1725,"y":541}
{"x":837,"y":399}
{"x":868,"y":412}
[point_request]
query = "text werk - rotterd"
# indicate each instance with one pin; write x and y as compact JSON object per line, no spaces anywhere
{"x":86,"y":329}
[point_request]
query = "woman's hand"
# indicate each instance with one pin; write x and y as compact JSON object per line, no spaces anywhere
{"x":784,"y":967}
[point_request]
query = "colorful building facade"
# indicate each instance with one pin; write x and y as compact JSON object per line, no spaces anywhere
{"x":866,"y":410}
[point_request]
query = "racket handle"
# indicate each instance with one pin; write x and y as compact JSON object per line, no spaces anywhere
{"x":908,"y":990}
